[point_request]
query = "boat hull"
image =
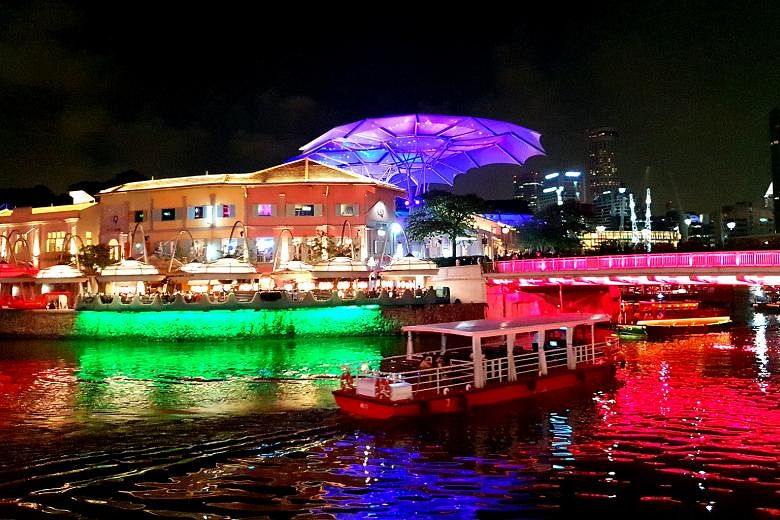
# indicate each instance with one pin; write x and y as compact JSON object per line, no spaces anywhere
{"x":663,"y":329}
{"x":524,"y":388}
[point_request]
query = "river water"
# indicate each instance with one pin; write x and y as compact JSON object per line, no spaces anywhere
{"x":690,"y":429}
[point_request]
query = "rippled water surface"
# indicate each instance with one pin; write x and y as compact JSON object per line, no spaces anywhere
{"x":690,"y":429}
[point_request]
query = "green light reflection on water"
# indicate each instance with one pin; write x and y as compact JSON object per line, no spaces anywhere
{"x":131,"y":377}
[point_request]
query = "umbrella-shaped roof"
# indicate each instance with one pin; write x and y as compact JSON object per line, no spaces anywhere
{"x":340,"y":267}
{"x":130,"y":271}
{"x":60,"y":274}
{"x":415,"y":150}
{"x":293,"y":270}
{"x":409,"y":266}
{"x":222,"y":269}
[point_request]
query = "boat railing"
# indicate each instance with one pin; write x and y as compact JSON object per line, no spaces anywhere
{"x":458,"y":374}
{"x":591,"y":353}
{"x":556,"y":357}
{"x":527,"y":363}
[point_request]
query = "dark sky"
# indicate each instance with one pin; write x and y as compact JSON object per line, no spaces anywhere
{"x":86,"y":93}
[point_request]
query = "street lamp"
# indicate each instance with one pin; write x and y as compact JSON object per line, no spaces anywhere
{"x":600,"y":235}
{"x":396,"y":228}
{"x":730,"y":225}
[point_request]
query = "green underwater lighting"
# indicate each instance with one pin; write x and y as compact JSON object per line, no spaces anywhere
{"x":216,"y":324}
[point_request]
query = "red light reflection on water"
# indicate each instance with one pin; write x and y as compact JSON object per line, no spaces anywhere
{"x":697,"y":418}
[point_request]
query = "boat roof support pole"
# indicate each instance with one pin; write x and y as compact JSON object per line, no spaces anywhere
{"x":443,"y":344}
{"x":510,"y":357}
{"x":479,"y":362}
{"x":540,"y":335}
{"x":571,"y":360}
{"x":409,"y":345}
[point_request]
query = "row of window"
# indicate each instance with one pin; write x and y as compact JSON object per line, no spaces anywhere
{"x":259,"y":210}
{"x":55,"y":241}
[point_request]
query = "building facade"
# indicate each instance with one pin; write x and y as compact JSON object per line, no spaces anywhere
{"x":291,"y":211}
{"x":601,"y":162}
{"x":44,"y":236}
{"x":560,"y":187}
{"x":527,"y":186}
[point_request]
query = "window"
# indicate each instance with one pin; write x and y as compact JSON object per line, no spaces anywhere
{"x":198,"y":212}
{"x":139,"y":216}
{"x":264,"y":249}
{"x":88,"y":238}
{"x":168,"y":214}
{"x":265,"y":210}
{"x":347,"y":210}
{"x":55,"y":241}
{"x":304,"y":210}
{"x":228,"y":210}
{"x":113,"y":246}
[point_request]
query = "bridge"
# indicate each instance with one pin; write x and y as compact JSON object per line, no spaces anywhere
{"x":713,"y":268}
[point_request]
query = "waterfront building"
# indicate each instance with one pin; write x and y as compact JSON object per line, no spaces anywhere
{"x":295,"y":211}
{"x":44,"y":235}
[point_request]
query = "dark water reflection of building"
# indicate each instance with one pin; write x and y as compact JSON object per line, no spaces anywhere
{"x":690,"y":429}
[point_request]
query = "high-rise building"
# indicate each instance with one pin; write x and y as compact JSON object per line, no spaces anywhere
{"x":527,"y":186}
{"x":558,"y":188}
{"x":611,"y":209}
{"x":601,"y":162}
{"x":774,"y":148}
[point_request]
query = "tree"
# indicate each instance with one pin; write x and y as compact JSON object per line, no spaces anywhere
{"x":557,"y":228}
{"x":443,"y":213}
{"x":94,"y":257}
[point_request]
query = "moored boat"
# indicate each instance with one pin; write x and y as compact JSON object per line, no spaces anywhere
{"x":481,"y":363}
{"x":660,"y":329}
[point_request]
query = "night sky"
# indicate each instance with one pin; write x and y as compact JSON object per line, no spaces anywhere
{"x":86,"y":93}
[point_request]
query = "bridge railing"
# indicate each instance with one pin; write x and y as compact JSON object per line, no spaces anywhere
{"x":641,"y":261}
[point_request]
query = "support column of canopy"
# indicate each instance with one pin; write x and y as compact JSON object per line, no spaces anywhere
{"x":409,"y":345}
{"x":510,"y":357}
{"x":571,"y":359}
{"x":542,"y":357}
{"x":479,"y":365}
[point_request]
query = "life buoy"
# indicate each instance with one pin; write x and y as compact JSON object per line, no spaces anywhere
{"x":347,"y":381}
{"x":382,"y":388}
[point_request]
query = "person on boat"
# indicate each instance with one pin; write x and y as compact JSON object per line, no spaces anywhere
{"x":346,"y":379}
{"x":426,"y":363}
{"x":439,"y":361}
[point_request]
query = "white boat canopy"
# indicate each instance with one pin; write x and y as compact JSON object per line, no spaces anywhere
{"x":488,"y":328}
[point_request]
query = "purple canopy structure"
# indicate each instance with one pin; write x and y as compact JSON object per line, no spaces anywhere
{"x":415,"y":150}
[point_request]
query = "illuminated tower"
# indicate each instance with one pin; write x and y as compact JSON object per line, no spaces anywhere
{"x":774,"y":148}
{"x":601,"y":162}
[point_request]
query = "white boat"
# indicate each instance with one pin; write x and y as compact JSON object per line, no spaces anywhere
{"x":483,"y":362}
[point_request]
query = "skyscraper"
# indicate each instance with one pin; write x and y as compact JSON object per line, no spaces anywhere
{"x":774,"y":149}
{"x":527,"y":186}
{"x":601,"y":162}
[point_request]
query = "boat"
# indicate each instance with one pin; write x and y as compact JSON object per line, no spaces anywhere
{"x":634,"y":314}
{"x":771,"y":307}
{"x":662,"y":329}
{"x":630,"y":330}
{"x":480,"y":363}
